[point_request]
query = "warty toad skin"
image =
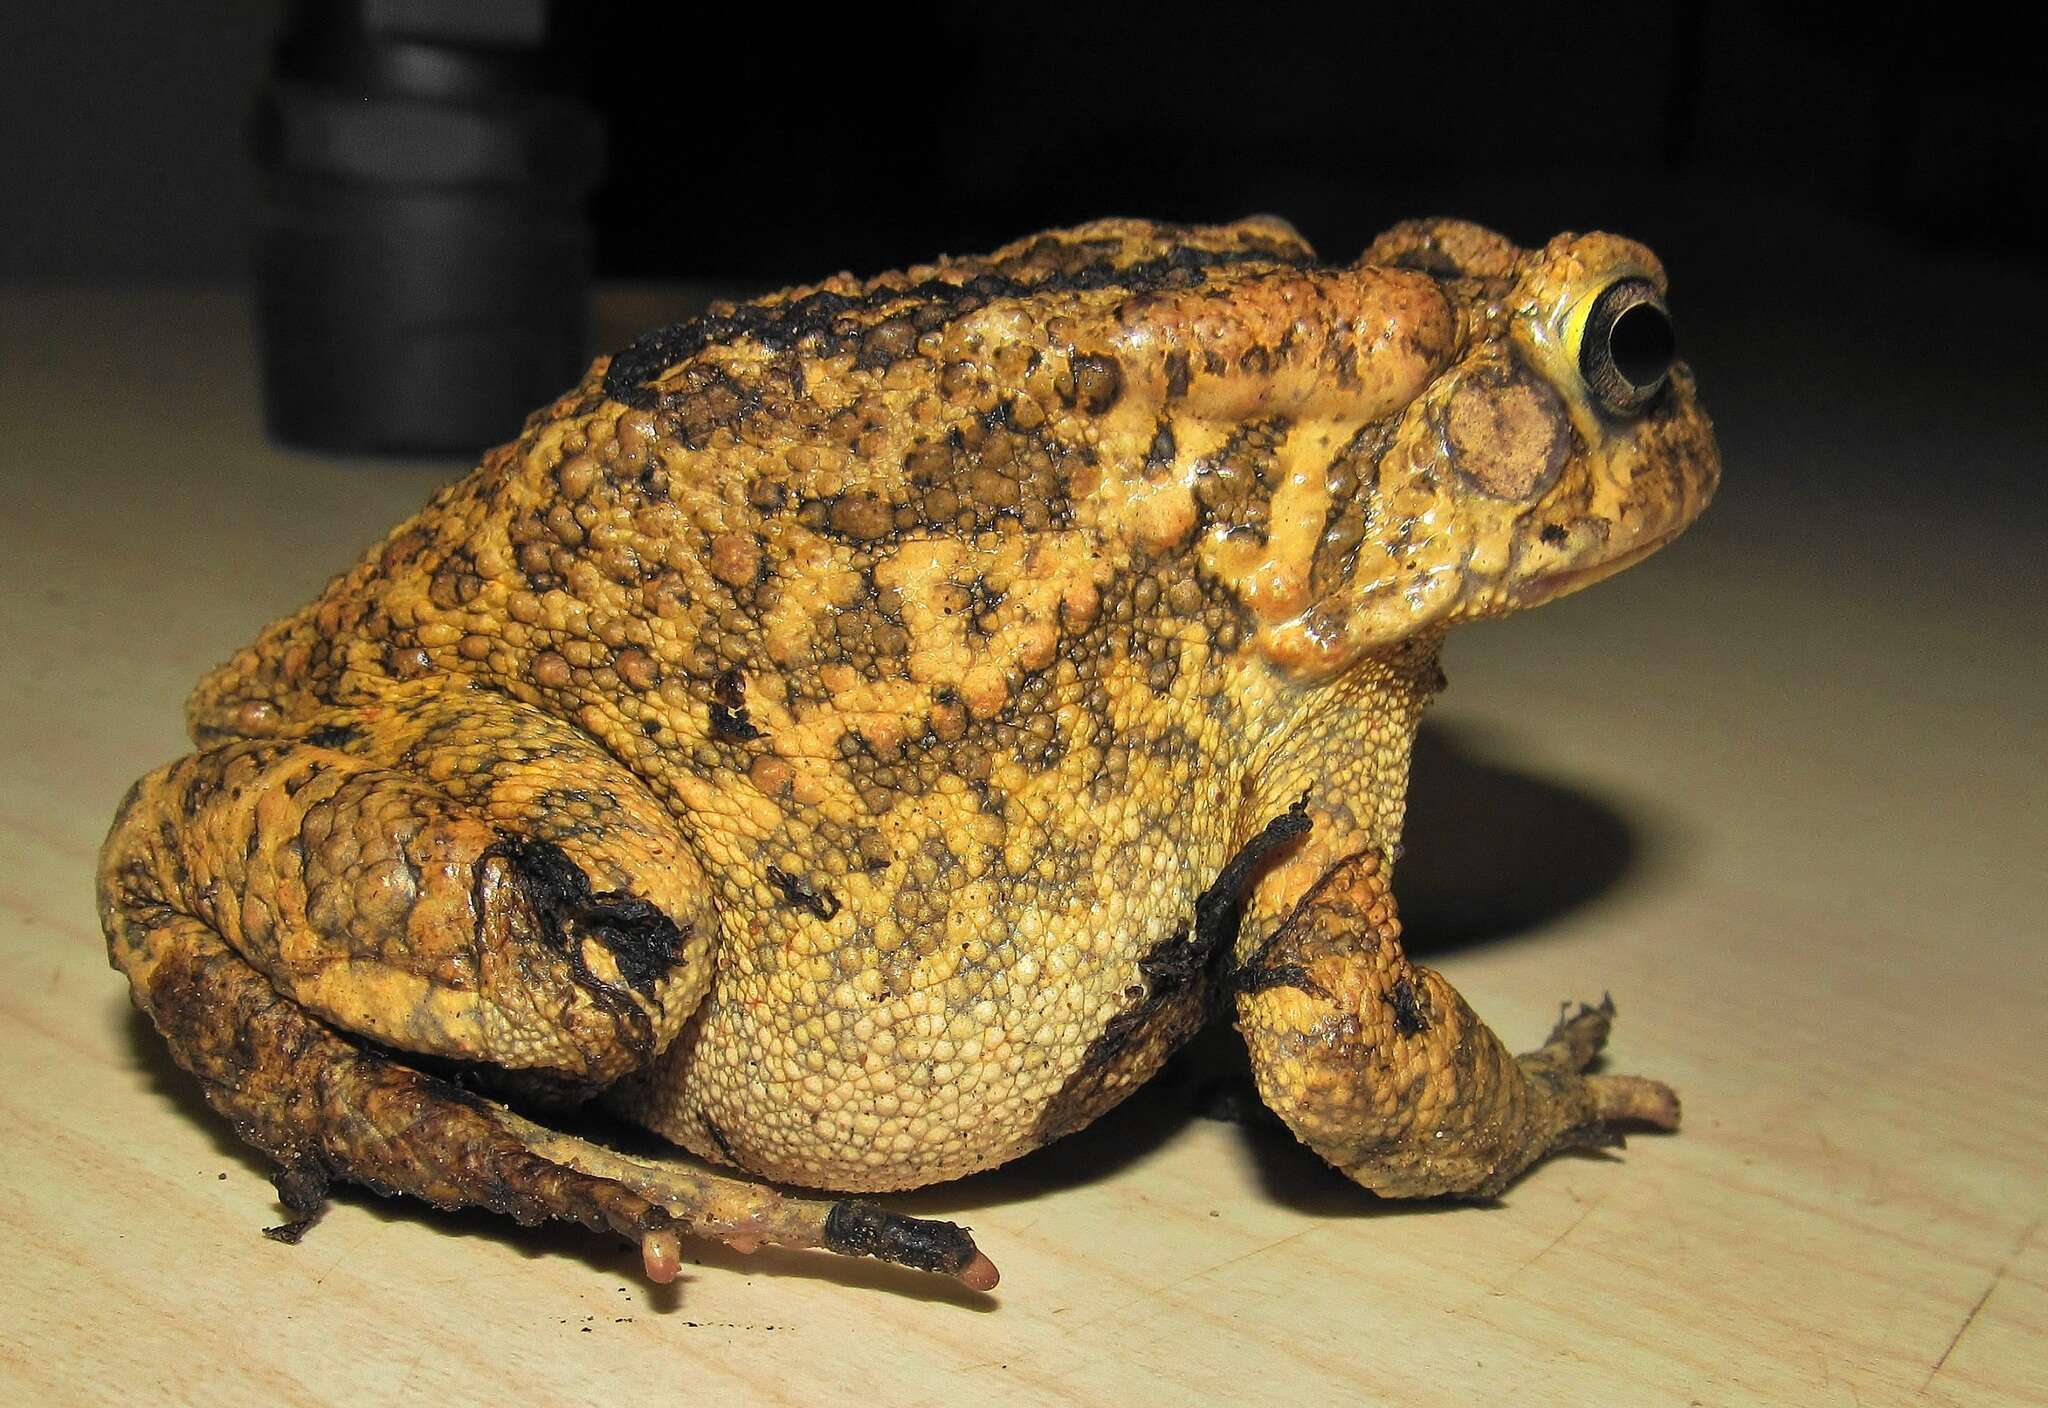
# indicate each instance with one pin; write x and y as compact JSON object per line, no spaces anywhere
{"x":856,"y":733}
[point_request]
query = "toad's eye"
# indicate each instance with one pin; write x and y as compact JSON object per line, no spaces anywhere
{"x":1626,"y":346}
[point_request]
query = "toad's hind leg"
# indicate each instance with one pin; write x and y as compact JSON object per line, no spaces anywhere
{"x":325,"y":1106}
{"x":1380,"y":1066}
{"x":454,"y":876}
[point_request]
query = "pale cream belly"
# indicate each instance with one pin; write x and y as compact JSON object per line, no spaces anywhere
{"x":856,"y":1088}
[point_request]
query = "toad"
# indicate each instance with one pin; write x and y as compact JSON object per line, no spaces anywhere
{"x":858,"y":733}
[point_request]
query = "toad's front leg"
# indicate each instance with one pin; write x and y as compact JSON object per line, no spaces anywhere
{"x":451,"y":875}
{"x":1379,"y":1066}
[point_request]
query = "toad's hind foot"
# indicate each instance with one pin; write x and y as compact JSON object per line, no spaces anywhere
{"x":328,"y":1107}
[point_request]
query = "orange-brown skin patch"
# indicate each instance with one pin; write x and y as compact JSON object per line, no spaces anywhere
{"x":917,"y":652}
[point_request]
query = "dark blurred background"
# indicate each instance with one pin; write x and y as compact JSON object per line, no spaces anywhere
{"x":1852,"y":203}
{"x":758,"y":144}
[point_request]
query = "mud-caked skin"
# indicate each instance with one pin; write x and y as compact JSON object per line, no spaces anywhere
{"x":856,"y":732}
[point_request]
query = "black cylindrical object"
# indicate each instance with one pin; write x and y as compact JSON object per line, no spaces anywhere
{"x":423,"y":271}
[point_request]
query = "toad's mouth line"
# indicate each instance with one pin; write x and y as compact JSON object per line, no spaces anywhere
{"x":1557,"y":584}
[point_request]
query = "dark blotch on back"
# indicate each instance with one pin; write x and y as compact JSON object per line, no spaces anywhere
{"x":798,"y":891}
{"x":827,"y":324}
{"x":1098,"y":383}
{"x":332,"y":736}
{"x":729,"y":721}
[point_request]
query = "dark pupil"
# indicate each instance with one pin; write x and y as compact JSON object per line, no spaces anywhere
{"x":1640,"y":344}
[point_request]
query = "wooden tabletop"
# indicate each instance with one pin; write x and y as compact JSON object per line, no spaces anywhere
{"x":1779,"y":791}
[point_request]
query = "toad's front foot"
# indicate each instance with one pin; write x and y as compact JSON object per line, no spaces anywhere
{"x":1380,"y":1067}
{"x":1595,"y":1104}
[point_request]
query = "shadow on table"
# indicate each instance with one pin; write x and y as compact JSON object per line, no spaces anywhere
{"x":1491,"y":853}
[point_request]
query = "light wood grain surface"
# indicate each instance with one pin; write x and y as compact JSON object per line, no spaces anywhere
{"x":1778,"y":790}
